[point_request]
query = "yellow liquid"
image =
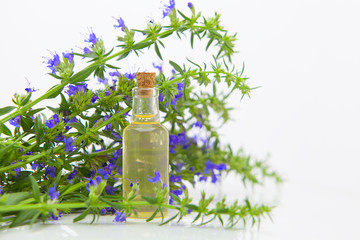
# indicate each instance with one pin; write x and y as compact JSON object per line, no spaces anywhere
{"x":145,"y":147}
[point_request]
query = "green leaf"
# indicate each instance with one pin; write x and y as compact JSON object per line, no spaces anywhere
{"x":222,"y":210}
{"x":34,"y":218}
{"x":176,"y":67}
{"x":35,"y":188}
{"x":150,"y":200}
{"x":169,"y":220}
{"x":111,"y":66}
{"x":6,"y":110}
{"x":192,"y":207}
{"x":183,"y":15}
{"x":57,"y":179}
{"x":56,"y":76}
{"x":15,"y":198}
{"x":26,"y":123}
{"x":176,"y":198}
{"x":39,"y":129}
{"x":83,"y":74}
{"x":114,"y":205}
{"x":215,"y":33}
{"x":141,"y":45}
{"x":197,"y":217}
{"x":124,"y":55}
{"x":73,"y":188}
{"x":153,"y":215}
{"x":22,"y":217}
{"x":25,"y":100}
{"x":192,"y":39}
{"x":158,"y":51}
{"x":5,"y":130}
{"x":81,"y":216}
{"x":54,"y":94}
{"x":78,"y":126}
{"x":166,"y":35}
{"x":209,"y":43}
{"x":34,"y":111}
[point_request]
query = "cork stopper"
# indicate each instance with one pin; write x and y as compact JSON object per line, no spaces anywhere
{"x":145,"y":79}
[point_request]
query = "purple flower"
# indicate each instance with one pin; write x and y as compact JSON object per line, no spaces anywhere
{"x":74,"y":89}
{"x":91,"y":174}
{"x":174,"y":178}
{"x":105,"y":172}
{"x":69,"y":146}
{"x":161,"y":97}
{"x":94,"y":98}
{"x":103,"y":211}
{"x":60,"y":137}
{"x":69,"y":56}
{"x":179,"y":166}
{"x":180,"y":86}
{"x":159,"y":67}
{"x":92,"y":38}
{"x":107,"y":93}
{"x":52,"y":122}
{"x":130,"y":75}
{"x":121,"y":24}
{"x":93,"y":182}
{"x":104,"y":81}
{"x":118,"y":153}
{"x":51,"y":171}
{"x":191,"y":168}
{"x":120,"y":217}
{"x":87,"y":50}
{"x":15,"y":121}
{"x":168,"y":8}
{"x":113,"y":74}
{"x":29,"y":89}
{"x":53,"y":217}
{"x":1,"y":190}
{"x":35,"y":166}
{"x":17,"y":170}
{"x":190,"y":5}
{"x":202,"y":178}
{"x":132,"y":183}
{"x":176,"y":193}
{"x":53,"y":194}
{"x":156,"y":178}
{"x":72,"y":175}
{"x":209,"y":166}
{"x":53,"y":62}
{"x":214,"y":177}
{"x":110,"y":190}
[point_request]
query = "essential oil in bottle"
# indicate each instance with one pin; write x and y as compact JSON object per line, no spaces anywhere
{"x":146,"y":143}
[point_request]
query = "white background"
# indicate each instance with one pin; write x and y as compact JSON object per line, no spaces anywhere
{"x":305,"y":55}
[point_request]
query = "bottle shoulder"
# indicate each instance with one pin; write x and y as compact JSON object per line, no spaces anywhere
{"x":146,"y":127}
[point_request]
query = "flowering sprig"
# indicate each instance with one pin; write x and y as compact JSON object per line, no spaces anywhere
{"x":77,"y":150}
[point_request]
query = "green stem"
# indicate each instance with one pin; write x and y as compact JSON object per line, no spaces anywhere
{"x":103,"y":124}
{"x":74,"y":205}
{"x":23,"y":109}
{"x":31,"y":159}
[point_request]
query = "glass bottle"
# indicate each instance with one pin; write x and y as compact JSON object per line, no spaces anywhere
{"x":145,"y":144}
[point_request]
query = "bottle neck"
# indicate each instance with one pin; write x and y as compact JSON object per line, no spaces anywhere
{"x":145,"y":106}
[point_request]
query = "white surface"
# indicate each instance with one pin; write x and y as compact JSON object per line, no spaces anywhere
{"x":305,"y":55}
